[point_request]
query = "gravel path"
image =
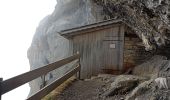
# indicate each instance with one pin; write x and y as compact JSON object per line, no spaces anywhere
{"x":82,"y":90}
{"x":85,"y":90}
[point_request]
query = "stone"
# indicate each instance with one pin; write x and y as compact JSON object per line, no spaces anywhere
{"x":124,"y":84}
{"x":148,"y":18}
{"x":151,"y":67}
{"x":141,"y":89}
{"x":161,"y":82}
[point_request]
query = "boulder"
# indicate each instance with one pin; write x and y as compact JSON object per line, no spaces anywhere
{"x":152,"y":67}
{"x":124,"y":84}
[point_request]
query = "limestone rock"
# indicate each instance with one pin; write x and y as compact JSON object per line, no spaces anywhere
{"x":124,"y":84}
{"x":152,"y":67}
{"x":148,"y":90}
{"x":141,"y":89}
{"x":149,"y":18}
{"x":161,"y":82}
{"x":165,"y":71}
{"x":48,"y":46}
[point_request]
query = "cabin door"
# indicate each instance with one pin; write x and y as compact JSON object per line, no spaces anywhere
{"x":112,"y":56}
{"x":113,"y":45}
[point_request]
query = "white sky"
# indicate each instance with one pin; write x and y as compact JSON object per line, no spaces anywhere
{"x":18,"y":21}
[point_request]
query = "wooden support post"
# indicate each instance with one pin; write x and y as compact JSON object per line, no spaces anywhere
{"x":43,"y":82}
{"x":79,"y":73}
{"x":1,"y":79}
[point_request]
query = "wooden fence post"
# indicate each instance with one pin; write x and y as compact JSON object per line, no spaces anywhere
{"x":79,"y":73}
{"x":1,"y":79}
{"x":43,"y":82}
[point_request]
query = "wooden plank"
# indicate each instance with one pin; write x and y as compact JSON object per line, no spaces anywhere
{"x":122,"y":34}
{"x":47,"y":89}
{"x":113,"y":49}
{"x":19,"y":80}
{"x":95,"y":50}
{"x":1,"y":79}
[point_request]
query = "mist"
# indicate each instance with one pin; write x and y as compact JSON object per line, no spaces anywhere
{"x":18,"y":22}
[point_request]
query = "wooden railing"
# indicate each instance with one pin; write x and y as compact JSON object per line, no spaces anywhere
{"x":10,"y":84}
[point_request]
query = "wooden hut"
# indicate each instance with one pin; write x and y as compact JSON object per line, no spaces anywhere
{"x":101,"y":46}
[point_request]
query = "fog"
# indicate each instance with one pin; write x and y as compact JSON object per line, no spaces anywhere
{"x":18,"y":22}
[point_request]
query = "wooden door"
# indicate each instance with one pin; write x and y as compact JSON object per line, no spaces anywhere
{"x":113,"y":46}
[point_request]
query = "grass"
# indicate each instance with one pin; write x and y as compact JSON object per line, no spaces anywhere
{"x":52,"y":95}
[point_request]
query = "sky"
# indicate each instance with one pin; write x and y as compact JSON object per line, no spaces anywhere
{"x":18,"y":22}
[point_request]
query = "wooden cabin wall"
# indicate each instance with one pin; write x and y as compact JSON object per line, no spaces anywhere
{"x":90,"y":46}
{"x":94,"y":58}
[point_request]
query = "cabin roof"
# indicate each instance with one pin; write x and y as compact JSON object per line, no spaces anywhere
{"x":89,"y":28}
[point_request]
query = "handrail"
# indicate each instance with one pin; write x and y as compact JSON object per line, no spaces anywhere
{"x":10,"y":84}
{"x":44,"y":91}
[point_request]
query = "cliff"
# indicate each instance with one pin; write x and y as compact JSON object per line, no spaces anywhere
{"x":48,"y":46}
{"x":149,"y":19}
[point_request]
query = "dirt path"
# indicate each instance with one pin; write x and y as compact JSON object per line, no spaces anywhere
{"x":85,"y":90}
{"x":109,"y":87}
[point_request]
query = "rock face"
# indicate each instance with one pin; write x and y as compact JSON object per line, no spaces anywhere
{"x":48,"y":46}
{"x":157,"y":66}
{"x":148,"y":18}
{"x":151,"y":82}
{"x":152,"y":67}
{"x":123,"y":84}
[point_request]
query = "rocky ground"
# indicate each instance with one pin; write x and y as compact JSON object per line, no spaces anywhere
{"x":108,"y":87}
{"x":150,"y":81}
